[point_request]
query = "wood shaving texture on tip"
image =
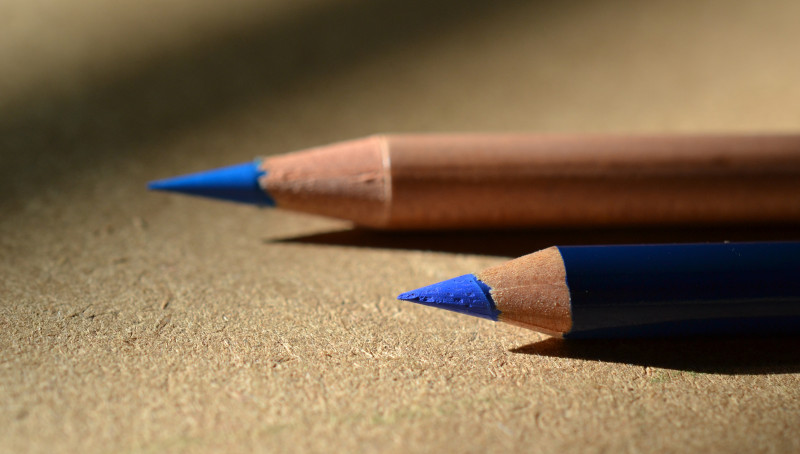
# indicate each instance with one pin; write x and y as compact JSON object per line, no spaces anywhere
{"x":532,"y":291}
{"x":345,"y":180}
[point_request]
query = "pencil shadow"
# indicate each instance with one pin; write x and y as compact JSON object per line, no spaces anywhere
{"x":51,"y":131}
{"x":742,"y":355}
{"x":513,"y":243}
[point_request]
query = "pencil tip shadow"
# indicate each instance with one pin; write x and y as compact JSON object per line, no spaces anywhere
{"x":739,"y":356}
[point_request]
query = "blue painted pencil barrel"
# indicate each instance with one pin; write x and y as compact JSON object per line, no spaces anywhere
{"x":657,"y":290}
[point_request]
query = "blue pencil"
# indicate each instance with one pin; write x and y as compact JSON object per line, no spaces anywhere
{"x":629,"y":291}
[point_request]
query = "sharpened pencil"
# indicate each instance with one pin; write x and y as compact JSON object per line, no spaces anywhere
{"x":502,"y":180}
{"x":630,"y":291}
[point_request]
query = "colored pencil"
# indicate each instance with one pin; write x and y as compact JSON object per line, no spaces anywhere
{"x":643,"y":290}
{"x":488,"y":181}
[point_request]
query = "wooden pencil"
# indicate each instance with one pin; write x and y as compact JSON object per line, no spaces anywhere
{"x":642,"y":290}
{"x":503,"y":180}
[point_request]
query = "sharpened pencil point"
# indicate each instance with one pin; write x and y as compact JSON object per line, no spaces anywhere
{"x":464,"y":294}
{"x":237,"y":183}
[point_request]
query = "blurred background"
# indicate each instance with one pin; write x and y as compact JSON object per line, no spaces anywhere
{"x":132,"y":320}
{"x":86,"y":86}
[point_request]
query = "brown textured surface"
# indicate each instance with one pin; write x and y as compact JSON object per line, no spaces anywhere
{"x":531,"y":291}
{"x":140,"y":322}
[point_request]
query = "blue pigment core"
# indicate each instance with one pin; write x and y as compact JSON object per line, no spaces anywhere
{"x":463,"y":294}
{"x":237,"y":183}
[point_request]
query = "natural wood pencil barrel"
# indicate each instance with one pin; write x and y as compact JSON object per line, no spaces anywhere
{"x":463,"y":181}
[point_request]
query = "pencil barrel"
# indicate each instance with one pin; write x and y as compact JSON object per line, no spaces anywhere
{"x":501,"y":180}
{"x":487,"y":181}
{"x":658,"y":290}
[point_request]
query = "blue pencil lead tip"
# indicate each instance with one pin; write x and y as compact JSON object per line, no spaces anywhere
{"x":238,"y":183}
{"x":464,"y":294}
